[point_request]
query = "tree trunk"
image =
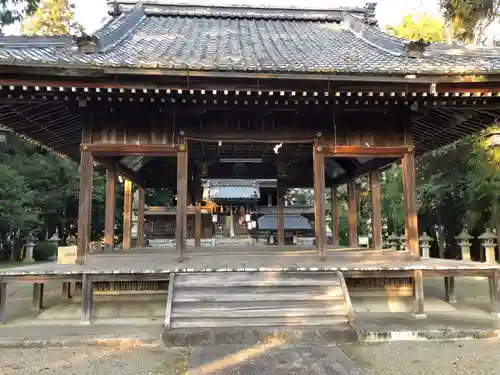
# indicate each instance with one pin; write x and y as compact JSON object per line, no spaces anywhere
{"x":440,"y":239}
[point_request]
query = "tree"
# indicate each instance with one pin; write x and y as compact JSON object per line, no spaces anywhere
{"x":469,"y":19}
{"x":12,"y":11}
{"x":53,"y":17}
{"x":422,"y":26}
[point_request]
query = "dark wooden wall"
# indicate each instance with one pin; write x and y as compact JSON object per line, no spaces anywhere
{"x":151,"y":125}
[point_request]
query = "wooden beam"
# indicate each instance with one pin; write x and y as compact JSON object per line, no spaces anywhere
{"x":335,"y":218}
{"x":352,"y":213}
{"x":84,"y":206}
{"x":182,"y":177}
{"x":374,"y":164}
{"x":111,"y":149}
{"x":120,"y":169}
{"x":363,"y":151}
{"x":319,"y":201}
{"x":281,"y":214}
{"x":140,"y":216}
{"x":110,"y":211}
{"x":410,"y":197}
{"x":376,"y":210}
{"x":127,"y":215}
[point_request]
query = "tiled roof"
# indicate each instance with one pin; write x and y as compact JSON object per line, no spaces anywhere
{"x":291,"y":222}
{"x":232,"y":189}
{"x":156,"y":34}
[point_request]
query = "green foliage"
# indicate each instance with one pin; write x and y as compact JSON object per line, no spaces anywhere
{"x":12,"y":11}
{"x":44,"y":250}
{"x":422,"y":26}
{"x":468,"y":19}
{"x":392,"y":203}
{"x":53,"y":17}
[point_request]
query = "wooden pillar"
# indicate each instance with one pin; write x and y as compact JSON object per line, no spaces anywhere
{"x":410,"y":197}
{"x":110,"y":211}
{"x":127,"y":215}
{"x":197,"y":216}
{"x":141,"y":202}
{"x":181,"y":223}
{"x":319,"y":201}
{"x":87,"y":298}
{"x":352,"y":213}
{"x":449,"y":289}
{"x":376,"y":210}
{"x":418,"y":294}
{"x":494,"y":289}
{"x":281,"y":214}
{"x":37,"y":296}
{"x":3,"y":302}
{"x":84,"y":205}
{"x":335,"y":218}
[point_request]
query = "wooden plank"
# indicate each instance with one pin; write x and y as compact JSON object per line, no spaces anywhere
{"x":376,"y":210}
{"x":110,"y":210}
{"x":87,"y":302}
{"x":3,"y":302}
{"x":449,"y":289}
{"x":259,"y":322}
{"x":111,"y":149}
{"x":170,"y":299}
{"x":232,"y":279}
{"x":352,"y":215}
{"x":360,"y":151}
{"x":84,"y":205}
{"x":127,"y":215}
{"x":37,"y":296}
{"x":245,"y":295}
{"x":347,"y":299}
{"x":253,"y":312}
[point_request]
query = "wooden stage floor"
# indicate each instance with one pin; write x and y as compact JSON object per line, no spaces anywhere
{"x":162,"y":261}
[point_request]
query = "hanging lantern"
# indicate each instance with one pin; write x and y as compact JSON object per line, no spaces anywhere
{"x":203,"y":169}
{"x":239,"y":169}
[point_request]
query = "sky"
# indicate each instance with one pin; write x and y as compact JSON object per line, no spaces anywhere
{"x":92,"y":13}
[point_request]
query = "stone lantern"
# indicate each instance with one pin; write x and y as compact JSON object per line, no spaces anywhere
{"x":464,"y":242}
{"x":425,"y":244}
{"x":488,"y":242}
{"x":393,"y":241}
{"x":29,"y":247}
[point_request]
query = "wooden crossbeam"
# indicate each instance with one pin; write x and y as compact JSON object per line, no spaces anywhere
{"x":132,"y":149}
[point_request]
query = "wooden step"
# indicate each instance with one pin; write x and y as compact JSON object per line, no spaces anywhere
{"x":257,"y":299}
{"x":241,"y":294}
{"x":255,"y":279}
{"x":258,"y":322}
{"x":259,"y":309}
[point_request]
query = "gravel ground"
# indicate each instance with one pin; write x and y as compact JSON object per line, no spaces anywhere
{"x":93,"y":361}
{"x":475,"y":357}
